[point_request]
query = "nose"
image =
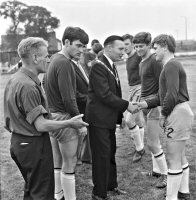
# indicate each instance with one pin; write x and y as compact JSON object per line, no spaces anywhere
{"x":81,"y":49}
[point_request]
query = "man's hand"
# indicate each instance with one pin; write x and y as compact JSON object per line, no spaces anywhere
{"x":141,"y":105}
{"x":77,"y":122}
{"x":162,"y":121}
{"x":132,"y":108}
{"x":83,"y":131}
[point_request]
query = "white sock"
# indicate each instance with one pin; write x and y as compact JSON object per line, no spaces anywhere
{"x":155,"y":167}
{"x":68,"y":184}
{"x":142,"y":135}
{"x":135,"y":132}
{"x":58,"y":191}
{"x":173,"y":183}
{"x":184,"y":186}
{"x":161,"y":162}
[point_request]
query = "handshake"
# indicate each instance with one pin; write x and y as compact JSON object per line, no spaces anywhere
{"x":135,"y":107}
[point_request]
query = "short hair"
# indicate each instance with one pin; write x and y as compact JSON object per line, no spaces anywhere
{"x":165,"y":40}
{"x":94,"y":42}
{"x":97,"y":48}
{"x":111,"y":39}
{"x":29,"y":44}
{"x":142,"y":37}
{"x":75,"y":33}
{"x":127,"y":36}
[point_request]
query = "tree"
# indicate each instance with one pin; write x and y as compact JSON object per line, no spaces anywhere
{"x":34,"y":20}
{"x":12,"y":10}
{"x":38,"y":21}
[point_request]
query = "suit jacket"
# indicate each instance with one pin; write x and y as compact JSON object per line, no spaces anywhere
{"x":88,"y":57}
{"x":104,"y":103}
{"x":81,"y":90}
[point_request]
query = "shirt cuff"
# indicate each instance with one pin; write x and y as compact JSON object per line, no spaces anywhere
{"x":36,"y":112}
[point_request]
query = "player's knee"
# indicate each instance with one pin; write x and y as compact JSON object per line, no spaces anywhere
{"x":57,"y":161}
{"x":129,"y":122}
{"x":174,"y":162}
{"x":69,"y":165}
{"x":153,"y":147}
{"x":140,"y":122}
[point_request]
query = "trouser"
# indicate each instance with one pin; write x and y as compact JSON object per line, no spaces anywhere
{"x":86,"y":151}
{"x":103,"y":149}
{"x":33,"y":156}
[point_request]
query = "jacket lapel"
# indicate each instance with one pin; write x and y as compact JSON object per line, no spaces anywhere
{"x":79,"y":73}
{"x":106,"y":62}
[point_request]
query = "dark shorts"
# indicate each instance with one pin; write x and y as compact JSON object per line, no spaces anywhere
{"x":33,"y":156}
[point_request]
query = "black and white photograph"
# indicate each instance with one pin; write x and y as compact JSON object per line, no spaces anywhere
{"x":97,"y":100}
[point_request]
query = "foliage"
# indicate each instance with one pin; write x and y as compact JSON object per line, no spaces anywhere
{"x":35,"y":20}
{"x":12,"y":10}
{"x":38,"y":21}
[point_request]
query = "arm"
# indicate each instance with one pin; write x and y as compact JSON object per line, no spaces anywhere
{"x":100,"y":84}
{"x":153,"y":102}
{"x":148,"y":103}
{"x":46,"y":125}
{"x":82,"y":98}
{"x":36,"y":114}
{"x":157,"y":68}
{"x":172,"y":87}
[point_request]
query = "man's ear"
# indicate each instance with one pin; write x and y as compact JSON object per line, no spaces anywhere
{"x":109,"y":47}
{"x":34,"y":58}
{"x":67,"y":42}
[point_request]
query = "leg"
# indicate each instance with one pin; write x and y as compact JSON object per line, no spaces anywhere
{"x":153,"y":141}
{"x":158,"y":156}
{"x":35,"y":162}
{"x":86,"y":151}
{"x":140,"y":122}
{"x":79,"y":149}
{"x":135,"y":134}
{"x":58,"y":192}
{"x":175,"y":151}
{"x":183,"y":192}
{"x":101,"y":154}
{"x":112,"y":182}
{"x":69,"y":156}
{"x":153,"y":131}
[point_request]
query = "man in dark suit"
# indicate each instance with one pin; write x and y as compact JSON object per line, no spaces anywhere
{"x":103,"y":111}
{"x":82,"y":81}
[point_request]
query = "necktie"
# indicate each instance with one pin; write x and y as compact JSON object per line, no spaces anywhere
{"x":115,"y":74}
{"x":114,"y":70}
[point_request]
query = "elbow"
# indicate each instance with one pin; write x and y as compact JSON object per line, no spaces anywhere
{"x":42,"y":127}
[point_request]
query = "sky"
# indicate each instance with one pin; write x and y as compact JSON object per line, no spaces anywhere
{"x":102,"y":18}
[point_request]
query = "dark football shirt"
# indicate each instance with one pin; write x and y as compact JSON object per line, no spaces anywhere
{"x":150,"y":70}
{"x":132,"y":66}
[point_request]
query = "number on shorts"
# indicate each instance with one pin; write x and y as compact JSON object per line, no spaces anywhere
{"x":168,"y":132}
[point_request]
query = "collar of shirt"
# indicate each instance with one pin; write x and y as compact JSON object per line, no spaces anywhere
{"x":110,"y":61}
{"x":75,"y":62}
{"x":31,"y":75}
{"x":132,"y":54}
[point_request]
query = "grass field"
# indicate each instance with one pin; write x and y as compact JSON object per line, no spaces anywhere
{"x":129,"y":176}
